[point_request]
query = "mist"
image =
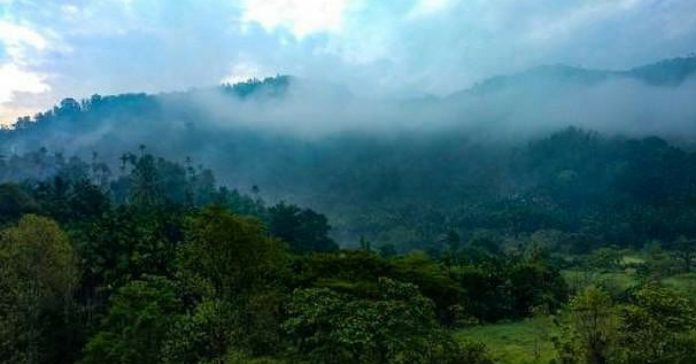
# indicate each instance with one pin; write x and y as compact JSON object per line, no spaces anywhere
{"x":526,"y":107}
{"x":510,"y":109}
{"x":293,"y":136}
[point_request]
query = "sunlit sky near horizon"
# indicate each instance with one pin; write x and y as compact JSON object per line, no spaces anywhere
{"x":74,"y":48}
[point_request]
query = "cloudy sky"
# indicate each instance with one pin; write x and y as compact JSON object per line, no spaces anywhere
{"x":51,"y":49}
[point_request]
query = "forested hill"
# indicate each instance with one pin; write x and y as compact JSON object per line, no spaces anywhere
{"x":666,"y":73}
{"x":405,"y":172}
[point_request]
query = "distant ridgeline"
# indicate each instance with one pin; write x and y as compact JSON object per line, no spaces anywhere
{"x":406,"y":190}
{"x":273,"y":86}
{"x":71,"y":109}
{"x":666,"y":73}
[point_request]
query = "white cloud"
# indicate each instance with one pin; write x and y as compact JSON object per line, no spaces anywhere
{"x":20,"y":43}
{"x":244,"y":71}
{"x":428,"y":7}
{"x":550,"y":28}
{"x":299,"y":17}
{"x":17,"y":39}
{"x":14,"y":79}
{"x":70,"y":10}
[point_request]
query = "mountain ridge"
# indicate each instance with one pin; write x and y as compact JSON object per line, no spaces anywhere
{"x":664,"y":73}
{"x":670,"y":72}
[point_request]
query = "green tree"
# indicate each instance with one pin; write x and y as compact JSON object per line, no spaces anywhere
{"x":146,"y":188}
{"x":657,"y":326}
{"x":37,"y":277}
{"x":593,"y":319}
{"x":231,"y":254}
{"x":137,"y":323}
{"x":305,"y":230}
{"x":397,"y":326}
{"x":604,"y":259}
{"x":685,"y":252}
{"x":658,"y":263}
{"x":14,"y":202}
{"x":233,"y":272}
{"x":387,"y":251}
{"x":200,"y":335}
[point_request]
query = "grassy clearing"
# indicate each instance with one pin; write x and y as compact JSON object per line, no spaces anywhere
{"x":529,"y":341}
{"x":616,"y":281}
{"x":685,"y":283}
{"x":520,"y":342}
{"x":631,"y":259}
{"x":621,"y":281}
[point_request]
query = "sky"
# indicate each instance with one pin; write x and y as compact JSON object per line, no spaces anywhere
{"x":54,"y":49}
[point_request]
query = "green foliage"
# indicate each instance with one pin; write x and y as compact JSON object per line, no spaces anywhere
{"x":304,"y":230}
{"x":501,"y":289}
{"x":505,"y":288}
{"x":657,"y":327}
{"x":433,"y":280}
{"x":37,"y":278}
{"x":14,"y":202}
{"x":590,"y":331}
{"x":387,"y":251}
{"x":68,"y":201}
{"x":658,"y":263}
{"x":233,"y":273}
{"x":350,"y":266}
{"x":216,"y":330}
{"x":201,"y":335}
{"x":134,"y":329}
{"x":605,"y":259}
{"x":230,"y":253}
{"x":684,"y":250}
{"x":397,"y":326}
{"x":124,"y":244}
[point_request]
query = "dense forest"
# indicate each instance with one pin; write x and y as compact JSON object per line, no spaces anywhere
{"x":153,"y":261}
{"x":149,"y":229}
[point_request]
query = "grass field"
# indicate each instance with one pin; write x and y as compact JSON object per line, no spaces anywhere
{"x":618,"y":281}
{"x":685,"y":283}
{"x":521,"y":342}
{"x":632,"y":259}
{"x":529,"y":341}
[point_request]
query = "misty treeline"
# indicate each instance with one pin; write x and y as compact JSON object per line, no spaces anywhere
{"x":403,"y":172}
{"x":408,"y":192}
